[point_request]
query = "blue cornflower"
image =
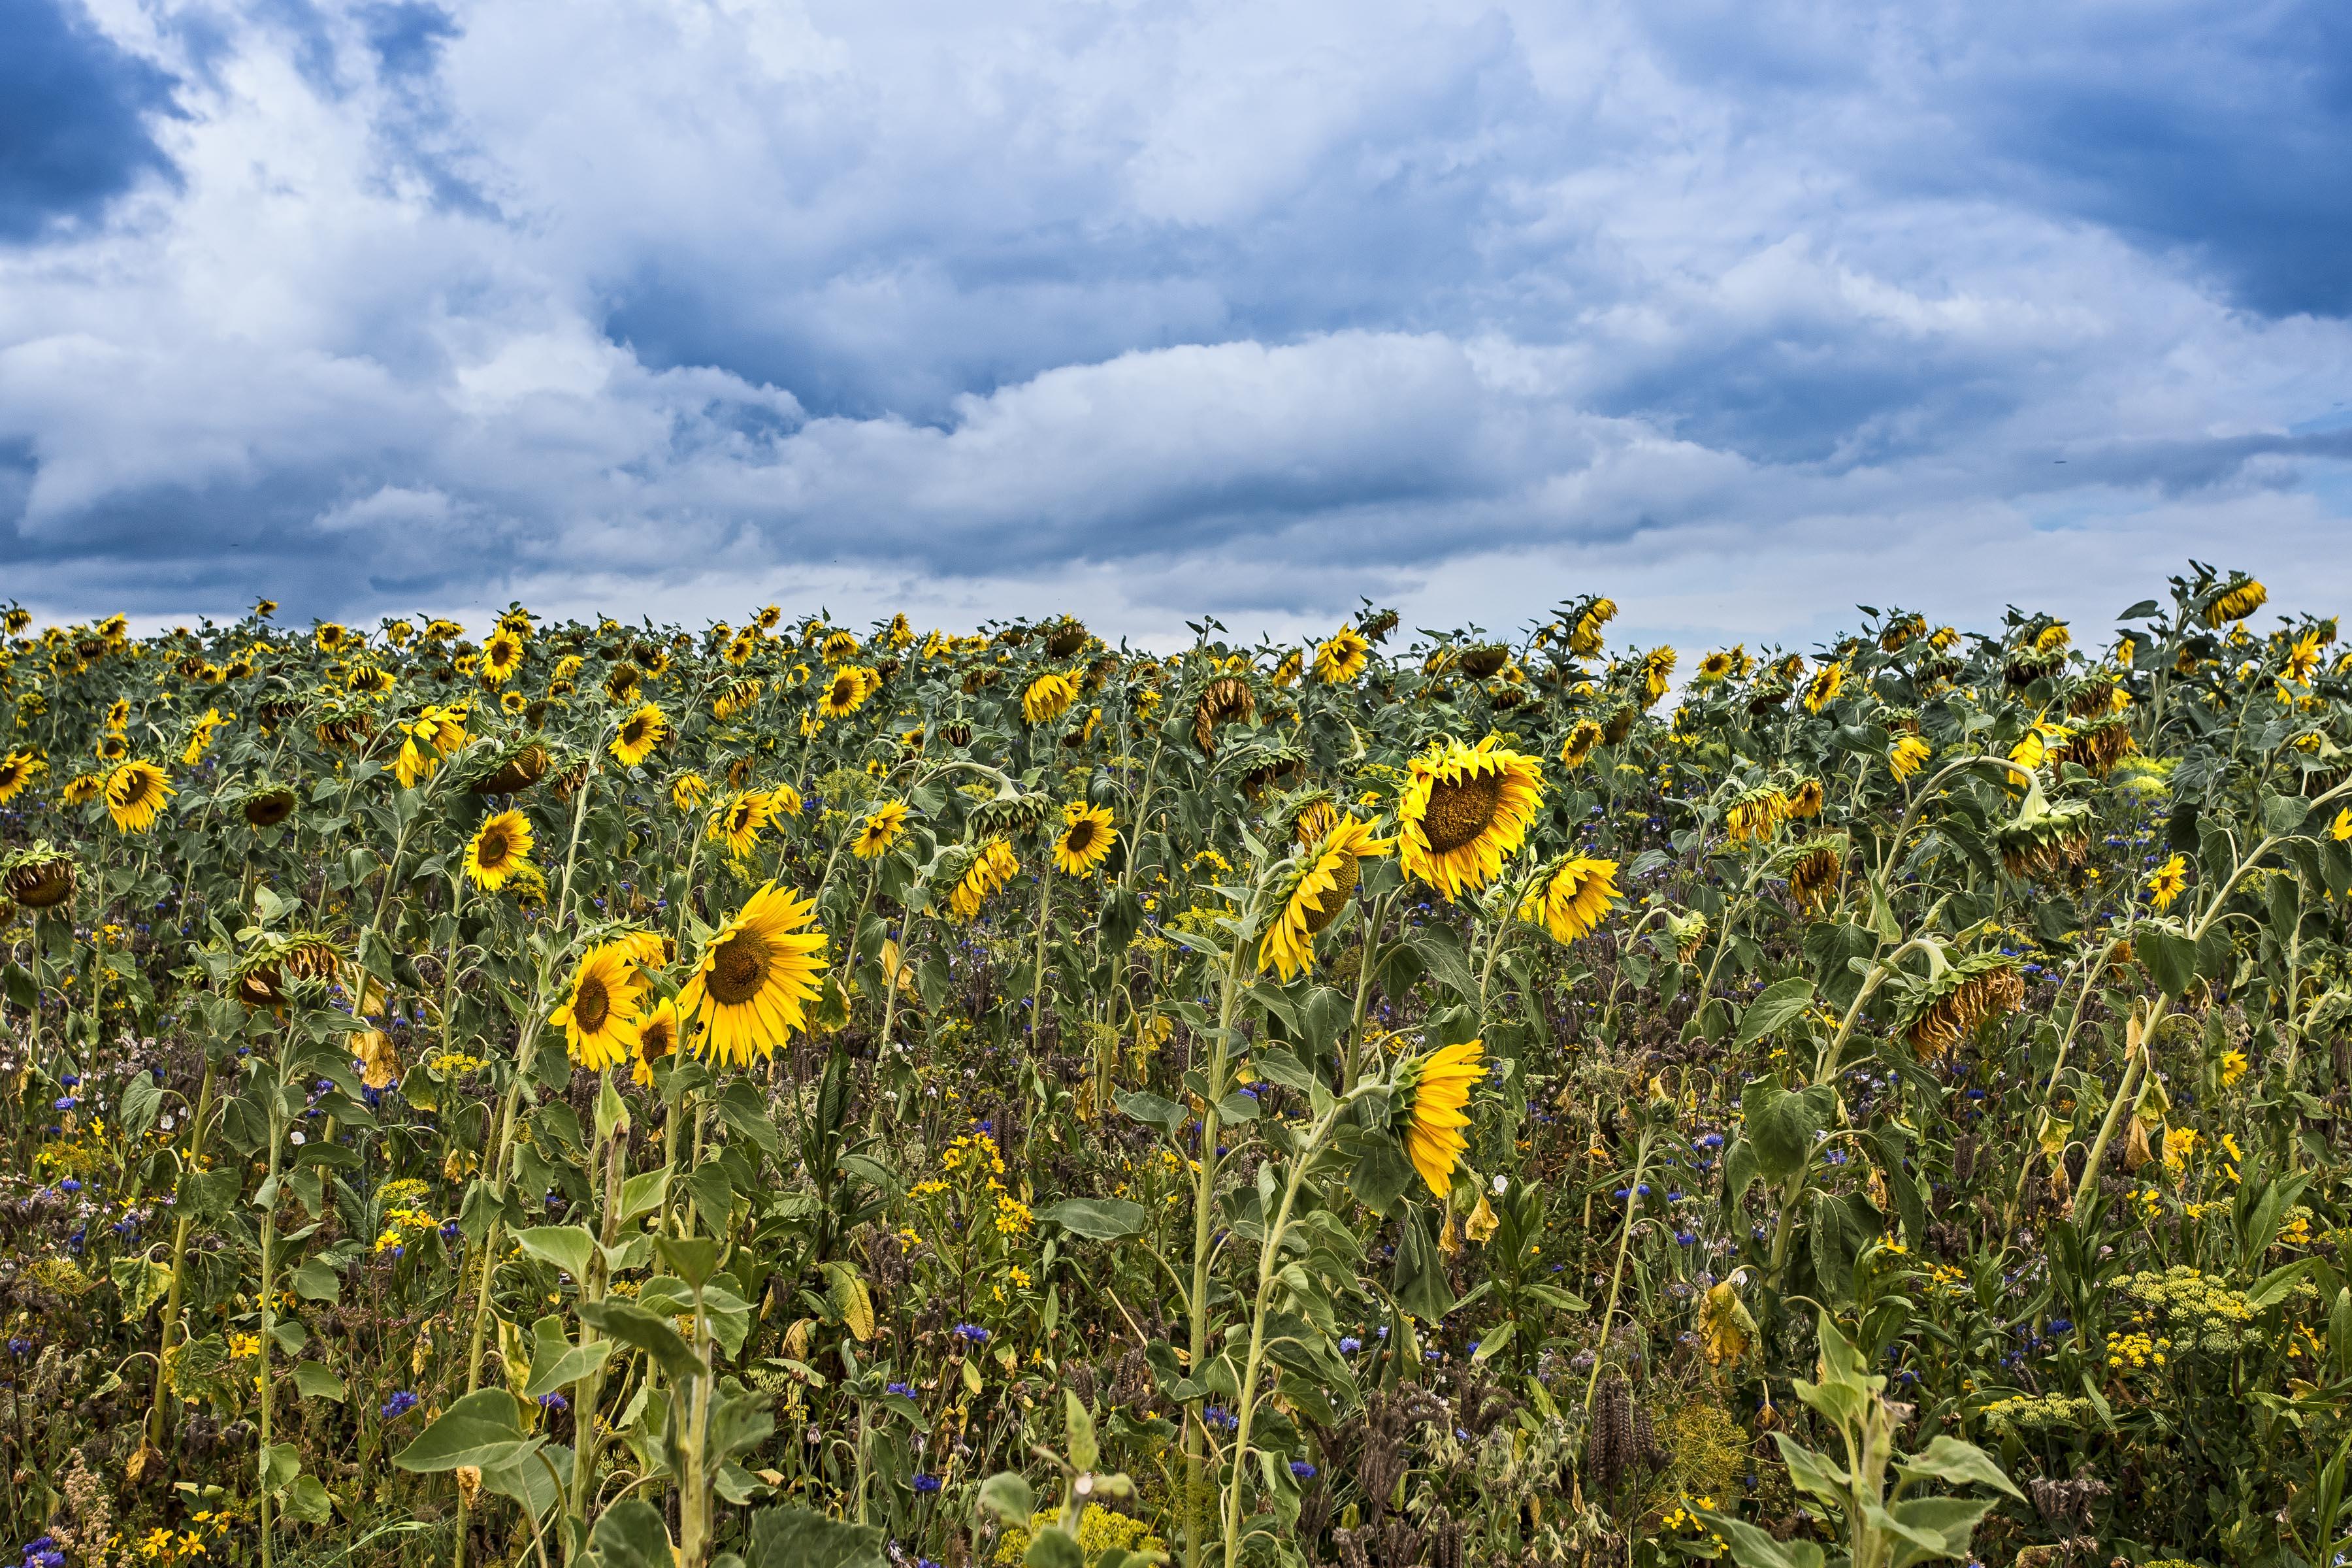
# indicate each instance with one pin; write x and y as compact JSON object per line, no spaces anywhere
{"x":553,"y":1402}
{"x":927,"y":1484}
{"x":398,"y":1405}
{"x":1302,"y":1469}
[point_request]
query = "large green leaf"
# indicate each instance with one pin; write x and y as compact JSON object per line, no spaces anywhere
{"x":482,"y":1428}
{"x":790,"y":1537}
{"x":1097,"y":1219}
{"x":1782,"y":1001}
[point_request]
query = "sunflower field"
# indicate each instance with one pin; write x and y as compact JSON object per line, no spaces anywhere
{"x":804,"y":1094}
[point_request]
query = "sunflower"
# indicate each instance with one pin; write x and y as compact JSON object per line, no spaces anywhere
{"x":639,"y":735}
{"x":81,"y":787}
{"x":135,"y":794}
{"x":1946,"y":1009}
{"x":839,"y":648}
{"x":1434,"y":1090}
{"x":1464,"y":812}
{"x":1657,"y":671}
{"x":599,"y":1016}
{"x":738,"y":820}
{"x":1816,"y":871}
{"x":1715,"y":667}
{"x":1322,"y":878}
{"x":1582,"y":737}
{"x":1806,"y":799}
{"x":1755,"y":813}
{"x":40,"y":877}
{"x":882,"y":828}
{"x":987,"y":870}
{"x":1905,"y":759}
{"x":657,"y":1036}
{"x":1823,"y":690}
{"x":16,"y":772}
{"x":757,"y":976}
{"x":266,"y":805}
{"x":498,"y":848}
{"x":846,"y":693}
{"x":1342,"y":657}
{"x":502,"y":656}
{"x":2240,"y":597}
{"x":1047,"y":697}
{"x":2302,"y":657}
{"x":2167,"y":883}
{"x":2341,"y":828}
{"x":118,"y":713}
{"x":1584,"y":639}
{"x":1573,"y":898}
{"x":1087,"y":837}
{"x":1288,"y":670}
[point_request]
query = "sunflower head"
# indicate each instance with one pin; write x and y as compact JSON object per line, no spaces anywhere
{"x":1816,"y":866}
{"x":2044,"y":839}
{"x":499,"y":848}
{"x":510,"y":769}
{"x":1342,"y":657}
{"x":1464,"y":811}
{"x":1047,"y":697}
{"x":1905,"y":756}
{"x":2238,"y":597}
{"x":659,"y":1034}
{"x":1572,"y":897}
{"x":882,"y":826}
{"x":1085,"y":839}
{"x":135,"y":792}
{"x":1755,"y":813}
{"x":600,"y":1013}
{"x":267,"y":805}
{"x":1939,"y":1013}
{"x":39,"y":877}
{"x":1225,"y":699}
{"x":1312,"y":891}
{"x":640,"y":734}
{"x":1011,"y":814}
{"x":1429,"y":1109}
{"x":751,"y":987}
{"x":17,"y":771}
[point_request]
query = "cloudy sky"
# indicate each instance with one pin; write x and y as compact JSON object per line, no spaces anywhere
{"x":1742,"y":311}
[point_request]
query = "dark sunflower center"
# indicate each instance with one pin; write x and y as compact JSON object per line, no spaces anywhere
{"x":495,"y":847}
{"x":1081,"y":838}
{"x":591,"y":1005}
{"x":1460,"y":810}
{"x":654,"y":1043}
{"x":1326,"y":910}
{"x":739,"y":969}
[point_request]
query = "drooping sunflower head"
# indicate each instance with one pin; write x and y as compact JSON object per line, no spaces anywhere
{"x":135,"y":794}
{"x":1572,"y":897}
{"x":2097,"y":747}
{"x":1657,"y":674}
{"x":118,"y":713}
{"x":1342,"y":657}
{"x":1755,"y":813}
{"x":112,"y":748}
{"x":2044,"y":839}
{"x":1430,"y":1109}
{"x":1822,"y":689}
{"x":1466,"y":811}
{"x":2238,"y":597}
{"x":688,"y":790}
{"x":1012,"y":815}
{"x":1905,"y":756}
{"x":1816,"y":866}
{"x":1047,"y":697}
{"x":973,"y":876}
{"x":1322,"y":879}
{"x":81,"y":787}
{"x":1225,"y":699}
{"x":1582,"y":737}
{"x":1288,"y":669}
{"x":601,"y":1010}
{"x":622,"y":681}
{"x":267,"y":805}
{"x":883,"y":825}
{"x":1806,"y":799}
{"x":1941,"y":1012}
{"x":840,"y":648}
{"x":738,"y":820}
{"x":39,"y":877}
{"x":1900,"y":629}
{"x":511,"y":768}
{"x":17,"y":771}
{"x":1087,"y":837}
{"x":755,"y":980}
{"x":499,"y":848}
{"x":640,"y":734}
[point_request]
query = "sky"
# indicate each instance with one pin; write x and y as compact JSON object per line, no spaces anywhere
{"x":1742,"y":312}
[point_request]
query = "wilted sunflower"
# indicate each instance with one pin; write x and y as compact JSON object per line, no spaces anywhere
{"x":1582,"y":737}
{"x":688,"y":790}
{"x":200,"y":737}
{"x":881,"y":828}
{"x":657,"y":1036}
{"x":1047,"y":697}
{"x":1657,"y":674}
{"x":1288,"y":669}
{"x":502,"y":656}
{"x":135,"y":794}
{"x":2167,"y":883}
{"x":846,"y":693}
{"x":840,"y":648}
{"x":1584,"y":637}
{"x":2097,"y":747}
{"x":738,"y":820}
{"x":81,"y":787}
{"x":1823,"y":687}
{"x":1905,"y":757}
{"x":622,"y":683}
{"x":40,"y":877}
{"x":1818,"y":867}
{"x":2044,"y":837}
{"x":1322,"y":878}
{"x":266,"y":973}
{"x":1946,"y":1009}
{"x":2239,"y":599}
{"x":1806,"y":799}
{"x":266,"y":805}
{"x":1342,"y":657}
{"x":599,"y":1015}
{"x":1754,"y":814}
{"x":1224,"y":701}
{"x":640,"y":733}
{"x":1464,"y":812}
{"x":499,"y":848}
{"x":984,"y":870}
{"x":1434,"y":1090}
{"x":1087,"y":837}
{"x":757,"y":976}
{"x":16,"y":772}
{"x":1572,"y":898}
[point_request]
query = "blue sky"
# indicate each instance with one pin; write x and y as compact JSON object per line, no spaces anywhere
{"x":1743,"y":312}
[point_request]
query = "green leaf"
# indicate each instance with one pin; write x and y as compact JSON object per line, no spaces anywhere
{"x":1054,"y":1547}
{"x":695,"y":1258}
{"x":1151,"y":1110}
{"x":1080,"y":1423}
{"x":1278,"y":1066}
{"x":630,"y":1534}
{"x":1781,"y":1126}
{"x":1751,"y":1548}
{"x":2284,"y":814}
{"x":312,"y":1381}
{"x":1933,"y":1528}
{"x":2171,"y":958}
{"x":1782,"y":1001}
{"x":314,"y":1281}
{"x":568,"y":1247}
{"x":1815,"y":1473}
{"x":2272,"y":1287}
{"x":556,"y":1361}
{"x":642,"y":1194}
{"x":1006,"y":1494}
{"x":1097,"y":1219}
{"x":308,"y":1501}
{"x":482,"y":1428}
{"x":1956,"y":1463}
{"x":142,"y":1098}
{"x":633,"y":1325}
{"x":1381,"y":1176}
